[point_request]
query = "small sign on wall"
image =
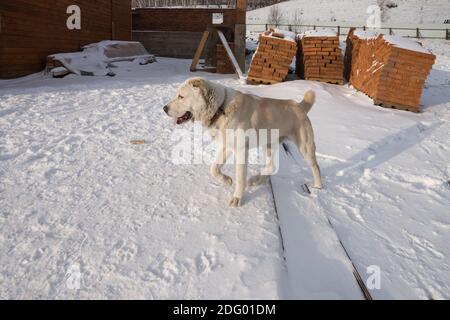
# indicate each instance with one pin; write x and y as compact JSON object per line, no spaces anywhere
{"x":217,"y":18}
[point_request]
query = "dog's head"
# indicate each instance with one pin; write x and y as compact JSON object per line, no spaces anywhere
{"x":197,"y":99}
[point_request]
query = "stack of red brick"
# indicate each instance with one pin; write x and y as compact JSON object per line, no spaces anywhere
{"x":272,"y":59}
{"x":224,"y":65}
{"x":320,"y":58}
{"x":391,"y":70}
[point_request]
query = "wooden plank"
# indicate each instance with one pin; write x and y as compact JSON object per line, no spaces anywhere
{"x":392,"y":105}
{"x":199,"y":51}
{"x":230,"y":55}
{"x":254,"y":80}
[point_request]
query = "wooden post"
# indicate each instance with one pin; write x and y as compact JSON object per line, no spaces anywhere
{"x":113,"y":30}
{"x":339,"y":31}
{"x":417,"y":33}
{"x":210,"y":48}
{"x":447,"y":35}
{"x":391,"y":32}
{"x":240,"y":30}
{"x":199,"y":51}
{"x":230,"y":55}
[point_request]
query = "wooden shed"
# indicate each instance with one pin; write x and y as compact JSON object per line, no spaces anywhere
{"x":176,"y":32}
{"x":31,"y":30}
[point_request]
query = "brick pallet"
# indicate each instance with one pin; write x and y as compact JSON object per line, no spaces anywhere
{"x":320,"y":58}
{"x":272,"y":59}
{"x":391,"y":70}
{"x":224,"y":65}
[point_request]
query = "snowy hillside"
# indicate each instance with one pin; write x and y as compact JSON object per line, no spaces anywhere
{"x":406,"y":12}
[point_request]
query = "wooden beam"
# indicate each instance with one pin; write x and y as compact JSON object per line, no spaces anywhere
{"x":199,"y":51}
{"x":241,"y":11}
{"x":230,"y":55}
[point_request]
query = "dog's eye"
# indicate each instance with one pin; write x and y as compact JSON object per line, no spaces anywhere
{"x":180,"y":97}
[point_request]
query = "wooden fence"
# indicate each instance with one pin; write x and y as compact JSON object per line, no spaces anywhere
{"x":225,"y":4}
{"x":421,"y":33}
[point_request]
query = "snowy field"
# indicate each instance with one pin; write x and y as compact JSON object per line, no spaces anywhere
{"x":406,"y":12}
{"x":74,"y":193}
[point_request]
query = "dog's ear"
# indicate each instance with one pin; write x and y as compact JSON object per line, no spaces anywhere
{"x":214,"y":96}
{"x":197,"y":82}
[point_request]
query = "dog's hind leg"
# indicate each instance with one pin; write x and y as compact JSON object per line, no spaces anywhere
{"x":216,"y":167}
{"x":305,"y":142}
{"x":240,"y":159}
{"x":263,"y":177}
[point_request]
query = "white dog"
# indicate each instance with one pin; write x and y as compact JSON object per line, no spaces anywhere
{"x":220,"y":109}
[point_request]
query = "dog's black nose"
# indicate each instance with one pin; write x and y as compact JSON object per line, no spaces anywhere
{"x":166,"y":109}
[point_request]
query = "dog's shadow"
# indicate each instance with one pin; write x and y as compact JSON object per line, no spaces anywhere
{"x":376,"y":154}
{"x":380,"y":152}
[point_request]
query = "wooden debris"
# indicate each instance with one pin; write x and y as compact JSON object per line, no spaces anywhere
{"x":199,"y":51}
{"x":137,"y":142}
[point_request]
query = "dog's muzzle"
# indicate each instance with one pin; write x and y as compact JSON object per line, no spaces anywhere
{"x":184,"y":118}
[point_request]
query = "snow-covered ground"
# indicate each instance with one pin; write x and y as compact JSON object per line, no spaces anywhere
{"x":74,"y":193}
{"x":406,"y":12}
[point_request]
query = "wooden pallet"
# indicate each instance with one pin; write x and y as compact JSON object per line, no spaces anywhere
{"x":391,"y":105}
{"x":330,"y":81}
{"x":256,"y":81}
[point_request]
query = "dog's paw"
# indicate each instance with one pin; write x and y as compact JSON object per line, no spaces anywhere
{"x":235,"y":202}
{"x":227,"y":180}
{"x":318,"y":186}
{"x":257,"y":180}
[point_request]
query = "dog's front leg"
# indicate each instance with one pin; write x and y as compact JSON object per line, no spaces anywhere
{"x":221,"y":158}
{"x":240,"y":159}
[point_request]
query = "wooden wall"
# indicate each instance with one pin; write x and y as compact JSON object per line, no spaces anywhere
{"x":175,"y":44}
{"x":31,"y":30}
{"x":176,"y":19}
{"x":176,"y":32}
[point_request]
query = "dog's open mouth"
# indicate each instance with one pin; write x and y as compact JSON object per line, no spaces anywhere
{"x":184,"y":118}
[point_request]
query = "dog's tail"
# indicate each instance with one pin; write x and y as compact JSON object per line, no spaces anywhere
{"x":308,"y":101}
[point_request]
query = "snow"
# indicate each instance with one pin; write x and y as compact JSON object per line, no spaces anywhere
{"x":407,"y":13}
{"x":319,"y":33}
{"x":96,"y":59}
{"x":366,"y":34}
{"x":288,"y":35}
{"x":303,"y":237}
{"x":404,"y":43}
{"x":74,"y":192}
{"x":386,"y":188}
